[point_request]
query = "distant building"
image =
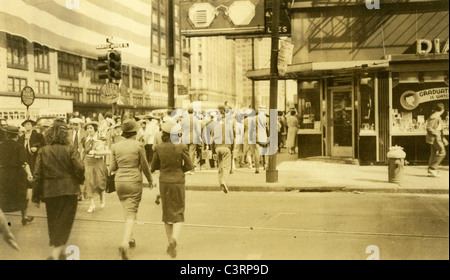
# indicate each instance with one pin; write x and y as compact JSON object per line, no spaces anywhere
{"x":54,"y":52}
{"x":260,"y":56}
{"x":215,"y":71}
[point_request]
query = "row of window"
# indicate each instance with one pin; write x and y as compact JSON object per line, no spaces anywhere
{"x":16,"y":84}
{"x":69,"y":66}
{"x":16,"y":54}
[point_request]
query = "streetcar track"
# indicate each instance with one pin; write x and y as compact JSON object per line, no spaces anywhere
{"x":254,"y":228}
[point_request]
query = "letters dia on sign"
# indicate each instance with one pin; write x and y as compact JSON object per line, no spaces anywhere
{"x":425,"y":46}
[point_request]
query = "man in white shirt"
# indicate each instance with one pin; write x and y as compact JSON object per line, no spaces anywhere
{"x":151,"y":129}
{"x":77,"y":134}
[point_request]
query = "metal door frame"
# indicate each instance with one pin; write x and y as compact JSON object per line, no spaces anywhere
{"x":330,"y":92}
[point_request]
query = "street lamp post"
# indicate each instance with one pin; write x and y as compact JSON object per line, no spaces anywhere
{"x":171,"y":60}
{"x":272,"y":172}
{"x":253,"y":81}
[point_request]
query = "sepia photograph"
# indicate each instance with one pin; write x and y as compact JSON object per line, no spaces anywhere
{"x":236,"y":131}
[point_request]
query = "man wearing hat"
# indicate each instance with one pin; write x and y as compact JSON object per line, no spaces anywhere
{"x":222,"y":134}
{"x":77,"y":134}
{"x":32,"y":141}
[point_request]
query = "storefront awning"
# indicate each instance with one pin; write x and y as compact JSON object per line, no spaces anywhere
{"x":320,"y":69}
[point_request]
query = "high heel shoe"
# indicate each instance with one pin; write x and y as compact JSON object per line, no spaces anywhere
{"x":61,"y":257}
{"x":102,"y":204}
{"x":123,"y":252}
{"x":171,"y":249}
{"x":26,"y":220}
{"x":91,"y":209}
{"x":132,"y":243}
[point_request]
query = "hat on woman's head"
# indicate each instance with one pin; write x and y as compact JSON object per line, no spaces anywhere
{"x":33,"y":123}
{"x":90,"y":123}
{"x":167,"y":119}
{"x":130,"y":125}
{"x":168,"y":127}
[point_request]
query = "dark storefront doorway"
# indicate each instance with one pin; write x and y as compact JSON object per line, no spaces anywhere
{"x":341,"y":123}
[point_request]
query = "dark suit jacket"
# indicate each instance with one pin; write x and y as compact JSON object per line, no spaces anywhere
{"x":36,"y":141}
{"x":172,"y":160}
{"x":82,"y":135}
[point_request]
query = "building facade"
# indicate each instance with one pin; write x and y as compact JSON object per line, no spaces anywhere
{"x":368,"y":78}
{"x":215,"y":71}
{"x":55,"y":53}
{"x":255,"y":54}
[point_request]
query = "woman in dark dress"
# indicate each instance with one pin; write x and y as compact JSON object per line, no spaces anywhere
{"x":14,"y":172}
{"x":56,"y":185}
{"x":173,"y":161}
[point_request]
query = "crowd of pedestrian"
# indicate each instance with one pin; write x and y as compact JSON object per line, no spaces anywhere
{"x":71,"y":160}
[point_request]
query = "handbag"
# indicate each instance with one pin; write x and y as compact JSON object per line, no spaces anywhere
{"x":110,"y":184}
{"x":79,"y":176}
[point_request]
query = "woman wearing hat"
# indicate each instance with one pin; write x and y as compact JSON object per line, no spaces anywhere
{"x":114,"y":135}
{"x":14,"y":172}
{"x":95,"y":166}
{"x":32,"y":141}
{"x":173,"y":161}
{"x":129,"y":162}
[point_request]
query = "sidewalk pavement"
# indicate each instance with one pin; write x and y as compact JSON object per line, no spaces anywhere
{"x":319,"y":176}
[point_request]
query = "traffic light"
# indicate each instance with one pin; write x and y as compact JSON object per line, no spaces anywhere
{"x":115,"y":65}
{"x":103,"y":67}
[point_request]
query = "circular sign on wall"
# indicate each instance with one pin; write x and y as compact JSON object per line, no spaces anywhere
{"x":410,"y":100}
{"x":27,"y":96}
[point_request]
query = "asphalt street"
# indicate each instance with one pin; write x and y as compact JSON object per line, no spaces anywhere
{"x":257,"y":226}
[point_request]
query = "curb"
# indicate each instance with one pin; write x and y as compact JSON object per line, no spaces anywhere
{"x":321,"y":189}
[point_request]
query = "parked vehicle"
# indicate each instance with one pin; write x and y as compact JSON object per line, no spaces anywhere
{"x":3,"y":123}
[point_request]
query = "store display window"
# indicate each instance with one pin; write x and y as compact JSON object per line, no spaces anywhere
{"x":309,"y":105}
{"x":413,"y":98}
{"x":367,"y":100}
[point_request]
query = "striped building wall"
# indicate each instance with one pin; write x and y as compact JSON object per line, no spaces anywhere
{"x":70,"y":31}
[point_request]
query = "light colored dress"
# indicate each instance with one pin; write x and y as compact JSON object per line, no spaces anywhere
{"x":292,"y":123}
{"x":129,"y":161}
{"x":95,"y":167}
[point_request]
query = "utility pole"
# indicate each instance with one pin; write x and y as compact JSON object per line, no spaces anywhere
{"x":272,"y":172}
{"x":253,"y":81}
{"x":171,"y":59}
